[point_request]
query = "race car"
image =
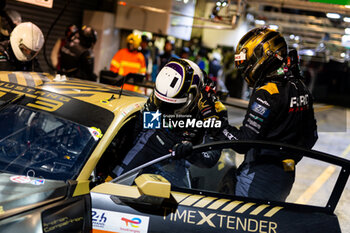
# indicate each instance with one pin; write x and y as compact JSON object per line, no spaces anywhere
{"x":141,"y":202}
{"x":57,"y":135}
{"x":60,"y":139}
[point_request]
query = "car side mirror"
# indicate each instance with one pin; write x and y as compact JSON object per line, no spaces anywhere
{"x":148,"y":187}
{"x":153,"y":185}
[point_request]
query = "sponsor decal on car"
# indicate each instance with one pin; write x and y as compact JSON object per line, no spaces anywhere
{"x":43,"y":100}
{"x":96,"y":133}
{"x":108,"y":221}
{"x":220,"y":221}
{"x":134,"y":222}
{"x":20,"y":179}
{"x":26,"y":180}
{"x":38,"y":182}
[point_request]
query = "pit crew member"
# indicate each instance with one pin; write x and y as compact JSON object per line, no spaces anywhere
{"x":18,"y":53}
{"x":280,"y":110}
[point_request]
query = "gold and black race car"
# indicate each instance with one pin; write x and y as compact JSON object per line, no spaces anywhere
{"x":60,"y":139}
{"x":54,"y":132}
{"x":149,"y":203}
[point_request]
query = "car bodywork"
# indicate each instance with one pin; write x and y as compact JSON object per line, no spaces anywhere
{"x":118,"y":207}
{"x":36,"y":198}
{"x":60,"y":137}
{"x":84,"y":129}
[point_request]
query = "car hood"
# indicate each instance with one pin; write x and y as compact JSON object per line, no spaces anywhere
{"x":20,"y":193}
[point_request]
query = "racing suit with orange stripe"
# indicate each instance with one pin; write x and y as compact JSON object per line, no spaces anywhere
{"x":279,"y":111}
{"x":125,"y":62}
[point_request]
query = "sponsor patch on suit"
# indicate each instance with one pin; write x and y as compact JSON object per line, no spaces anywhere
{"x":261,"y":110}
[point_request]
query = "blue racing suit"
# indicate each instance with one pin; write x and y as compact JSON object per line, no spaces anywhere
{"x":154,"y":143}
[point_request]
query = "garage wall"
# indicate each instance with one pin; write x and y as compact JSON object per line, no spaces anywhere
{"x":230,"y":37}
{"x":44,"y":17}
{"x":108,"y":37}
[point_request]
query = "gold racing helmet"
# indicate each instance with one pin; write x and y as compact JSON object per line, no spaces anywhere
{"x":260,"y":52}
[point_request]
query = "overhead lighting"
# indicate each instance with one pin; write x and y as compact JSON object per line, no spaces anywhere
{"x":218,"y":3}
{"x":297,"y":38}
{"x":309,"y":52}
{"x":260,"y":22}
{"x":250,"y":17}
{"x":342,"y":54}
{"x":347,"y":30}
{"x":291,"y":37}
{"x":333,"y":15}
{"x":224,"y":4}
{"x":273,"y":27}
{"x":345,"y":38}
{"x":347,"y":19}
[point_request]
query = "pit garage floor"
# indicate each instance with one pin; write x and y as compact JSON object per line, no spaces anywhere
{"x":314,"y":179}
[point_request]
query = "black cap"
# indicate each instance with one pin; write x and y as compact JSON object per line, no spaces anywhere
{"x":87,"y":36}
{"x":2,"y":4}
{"x":185,"y":50}
{"x":144,"y":38}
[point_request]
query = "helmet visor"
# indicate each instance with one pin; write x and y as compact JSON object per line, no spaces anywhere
{"x":27,"y":52}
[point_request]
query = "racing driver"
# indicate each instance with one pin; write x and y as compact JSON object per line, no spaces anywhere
{"x":177,"y":91}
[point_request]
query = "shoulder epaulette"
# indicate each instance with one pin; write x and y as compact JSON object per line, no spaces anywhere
{"x":270,"y":88}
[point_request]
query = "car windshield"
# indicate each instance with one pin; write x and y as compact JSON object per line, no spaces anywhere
{"x":36,"y":143}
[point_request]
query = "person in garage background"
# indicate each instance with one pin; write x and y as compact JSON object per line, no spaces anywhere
{"x":153,"y":143}
{"x":18,"y":53}
{"x":280,"y":110}
{"x":129,"y":59}
{"x":145,"y":50}
{"x":167,"y":54}
{"x":77,"y":58}
{"x":9,"y":19}
{"x":69,"y":36}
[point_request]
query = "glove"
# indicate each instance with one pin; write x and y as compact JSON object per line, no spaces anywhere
{"x":191,"y":135}
{"x":210,"y":107}
{"x":182,"y":150}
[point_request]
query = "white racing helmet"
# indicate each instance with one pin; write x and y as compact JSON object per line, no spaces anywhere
{"x":177,"y":88}
{"x":26,"y":41}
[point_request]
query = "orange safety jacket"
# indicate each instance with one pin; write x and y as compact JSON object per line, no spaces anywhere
{"x":125,"y":62}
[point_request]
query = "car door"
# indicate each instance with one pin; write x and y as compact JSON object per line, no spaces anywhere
{"x":148,"y":203}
